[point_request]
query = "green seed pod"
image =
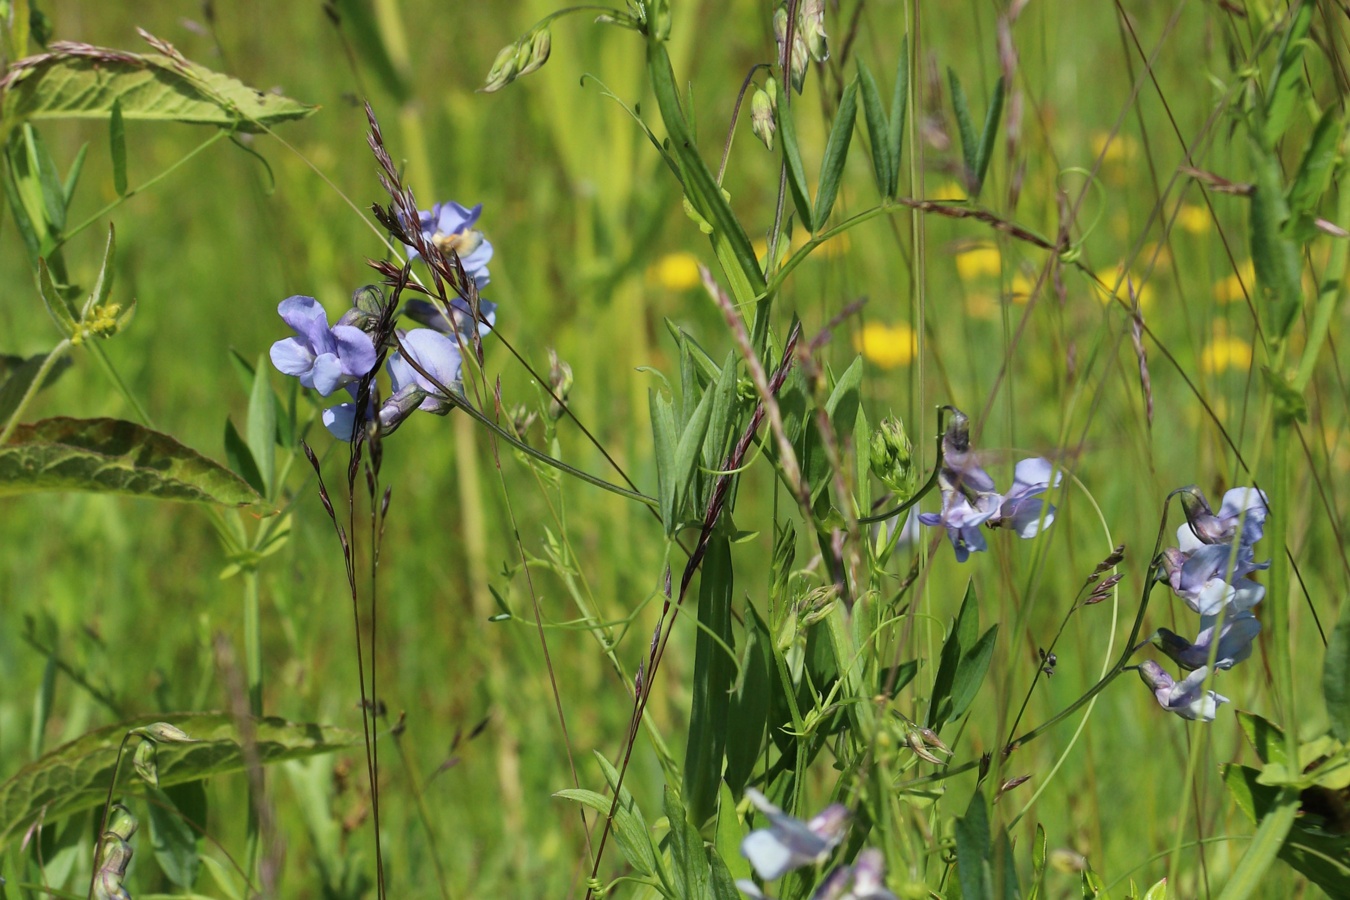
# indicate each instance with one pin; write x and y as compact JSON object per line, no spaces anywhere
{"x":503,"y":71}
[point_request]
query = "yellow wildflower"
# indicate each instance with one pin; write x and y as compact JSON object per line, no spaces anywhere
{"x":948,"y":190}
{"x":1229,"y":289}
{"x":1194,"y":219}
{"x":888,"y":346}
{"x":1142,"y":292}
{"x":1224,"y":352}
{"x":675,"y":271}
{"x":977,"y":261}
{"x":1021,"y":288}
{"x":1114,"y":149}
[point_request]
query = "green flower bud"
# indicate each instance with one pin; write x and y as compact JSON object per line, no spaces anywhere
{"x":540,"y":45}
{"x":892,"y":458}
{"x":761,"y":117}
{"x":798,"y":57}
{"x":811,"y":24}
{"x":504,"y":69}
{"x":560,"y":380}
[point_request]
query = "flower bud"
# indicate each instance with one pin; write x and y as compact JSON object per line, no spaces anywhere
{"x":798,"y":58}
{"x":892,"y":458}
{"x":560,"y":381}
{"x":761,"y":117}
{"x":504,"y":69}
{"x":539,"y":47}
{"x":811,"y":23}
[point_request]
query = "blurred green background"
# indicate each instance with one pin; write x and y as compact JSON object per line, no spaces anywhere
{"x":593,"y":256}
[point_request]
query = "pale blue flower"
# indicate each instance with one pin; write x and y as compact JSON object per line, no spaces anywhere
{"x":457,"y":319}
{"x":864,"y":880}
{"x":1210,"y":579}
{"x":1185,"y":698}
{"x":451,"y":227}
{"x":323,"y":358}
{"x":410,"y":390}
{"x":1241,"y":516}
{"x":789,"y":843}
{"x":1235,"y":642}
{"x":963,"y":520}
{"x":1022,"y":509}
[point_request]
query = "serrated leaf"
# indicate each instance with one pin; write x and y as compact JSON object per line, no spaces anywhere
{"x":262,"y":426}
{"x":117,"y":145}
{"x":796,"y":173}
{"x":112,"y":456}
{"x":172,"y":839}
{"x":1336,"y":677}
{"x":714,"y":674}
{"x":878,"y":129}
{"x":836,"y":154}
{"x":75,"y":776}
{"x":1286,"y":79}
{"x":83,"y":82}
{"x":899,"y":100}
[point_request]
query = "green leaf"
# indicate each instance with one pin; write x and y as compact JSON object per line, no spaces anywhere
{"x":899,"y":99}
{"x":1336,"y":677}
{"x":112,"y":456}
{"x":973,"y":851}
{"x":686,"y":851}
{"x":714,"y":674}
{"x":117,"y":143}
{"x":722,"y":418}
{"x":1158,"y":891}
{"x":1314,"y":176}
{"x":75,"y":776}
{"x":173,"y":840}
{"x":57,"y":307}
{"x":796,"y":174}
{"x":1286,"y":79}
{"x":690,"y":445}
{"x":1322,"y":857}
{"x":664,"y":443}
{"x":729,"y":240}
{"x":1274,"y":256}
{"x":966,"y":129}
{"x":729,"y":834}
{"x":262,"y":426}
{"x":630,"y":828}
{"x":84,"y":82}
{"x":750,"y":703}
{"x":963,"y":636}
{"x":1039,"y":855}
{"x":239,"y":458}
{"x":878,"y":129}
{"x":21,"y":377}
{"x":970,"y":672}
{"x":836,"y":154}
{"x":1263,"y":849}
{"x":985,"y":152}
{"x":73,"y":176}
{"x":363,"y":30}
{"x":721,"y":884}
{"x":103,"y":285}
{"x":1266,"y":739}
{"x":63,"y":850}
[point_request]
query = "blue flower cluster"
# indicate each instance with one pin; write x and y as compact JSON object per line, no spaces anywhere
{"x":425,"y":364}
{"x":969,"y":499}
{"x":1208,"y":571}
{"x":789,"y":843}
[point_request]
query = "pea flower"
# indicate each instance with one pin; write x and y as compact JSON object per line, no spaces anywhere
{"x":1242,"y":515}
{"x":410,"y":390}
{"x":456,"y":319}
{"x":1210,"y":579}
{"x":789,"y":843}
{"x":323,"y":358}
{"x":1185,"y":698}
{"x":450,"y":227}
{"x":1022,"y":509}
{"x":1235,"y":642}
{"x":962,"y":521}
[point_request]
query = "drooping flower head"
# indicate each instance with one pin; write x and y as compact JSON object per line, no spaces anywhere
{"x":1022,"y":509}
{"x":789,"y":843}
{"x":323,"y":358}
{"x":451,"y":227}
{"x":1241,"y":516}
{"x":1185,"y":698}
{"x":1234,"y":638}
{"x":410,"y":390}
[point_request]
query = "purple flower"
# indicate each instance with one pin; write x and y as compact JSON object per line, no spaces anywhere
{"x":963,"y":521}
{"x":961,"y":470}
{"x":410,"y":390}
{"x":322,"y":358}
{"x":457,"y":319}
{"x":789,"y":843}
{"x":864,"y":880}
{"x":1185,"y":698}
{"x":1242,"y":515}
{"x":1235,"y":642}
{"x":1210,"y":579}
{"x":1022,"y":507}
{"x":450,"y":227}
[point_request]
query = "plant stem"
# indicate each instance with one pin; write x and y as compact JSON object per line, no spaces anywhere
{"x":43,"y":371}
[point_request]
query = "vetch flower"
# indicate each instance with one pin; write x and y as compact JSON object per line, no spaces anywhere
{"x":1211,"y":578}
{"x":1242,"y":514}
{"x":1022,"y":509}
{"x":322,"y":358}
{"x":410,"y":390}
{"x":451,"y":227}
{"x":456,"y":319}
{"x":1235,"y":642}
{"x":1185,"y":698}
{"x":962,"y":521}
{"x":789,"y":843}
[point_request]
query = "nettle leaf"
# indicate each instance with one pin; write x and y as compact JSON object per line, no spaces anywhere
{"x":85,"y":82}
{"x":75,"y":777}
{"x":110,"y":456}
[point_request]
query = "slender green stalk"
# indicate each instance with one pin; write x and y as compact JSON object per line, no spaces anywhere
{"x":43,"y":371}
{"x":1328,"y":293}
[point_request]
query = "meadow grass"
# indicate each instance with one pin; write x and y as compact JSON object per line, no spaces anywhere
{"x":594,"y":256}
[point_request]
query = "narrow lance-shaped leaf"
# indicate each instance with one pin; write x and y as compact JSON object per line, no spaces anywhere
{"x":970,"y":672}
{"x":796,"y":174}
{"x":84,"y":82}
{"x":899,"y":101}
{"x":750,"y":704}
{"x":690,"y":862}
{"x":963,"y":637}
{"x":239,"y":458}
{"x":974,"y":847}
{"x":114,"y":457}
{"x":1314,"y":175}
{"x":1286,"y":78}
{"x":173,"y":839}
{"x":1274,"y":256}
{"x":836,"y":154}
{"x":985,"y":152}
{"x":878,"y":129}
{"x":714,"y":674}
{"x":75,"y":776}
{"x":262,"y":426}
{"x":664,"y":443}
{"x":103,"y":285}
{"x":1336,"y":677}
{"x":117,"y":143}
{"x":965,"y":128}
